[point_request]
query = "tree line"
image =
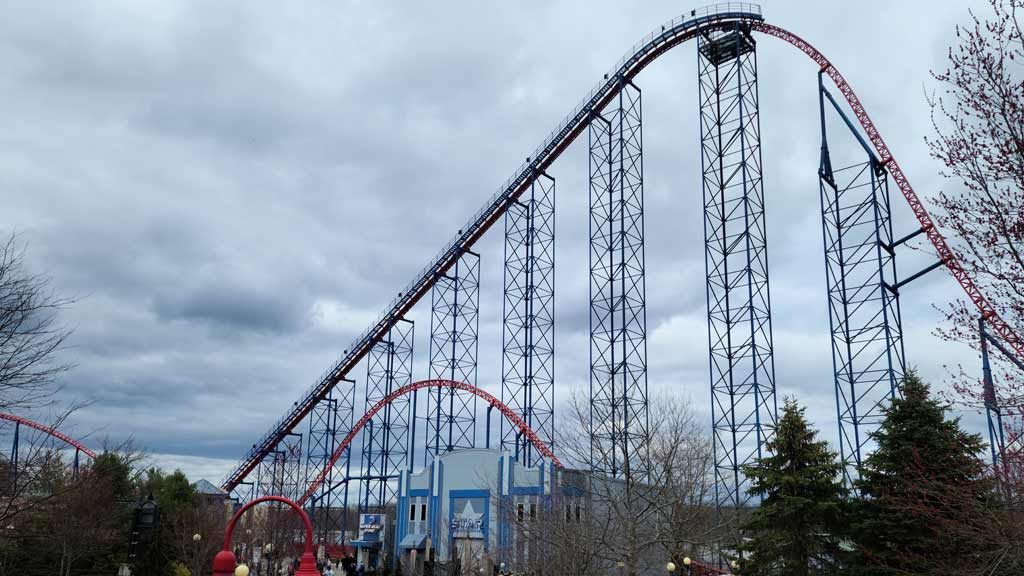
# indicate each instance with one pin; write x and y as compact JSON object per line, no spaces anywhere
{"x":925,"y":501}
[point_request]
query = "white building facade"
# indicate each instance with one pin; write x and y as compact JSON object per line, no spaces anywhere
{"x":463,"y":508}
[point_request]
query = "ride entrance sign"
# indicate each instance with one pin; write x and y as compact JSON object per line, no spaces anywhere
{"x":371,"y":527}
{"x":468,"y":517}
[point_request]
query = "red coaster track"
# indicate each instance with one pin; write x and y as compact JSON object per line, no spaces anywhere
{"x":50,"y":431}
{"x":945,"y":253}
{"x":514,"y":418}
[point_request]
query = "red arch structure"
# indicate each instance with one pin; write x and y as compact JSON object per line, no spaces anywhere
{"x":514,"y":418}
{"x":49,"y":431}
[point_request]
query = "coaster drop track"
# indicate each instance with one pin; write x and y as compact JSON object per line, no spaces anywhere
{"x":743,"y":397}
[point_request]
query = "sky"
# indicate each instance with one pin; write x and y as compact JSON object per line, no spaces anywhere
{"x":232,"y":191}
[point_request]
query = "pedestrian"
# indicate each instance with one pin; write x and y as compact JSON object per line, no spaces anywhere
{"x":360,"y":570}
{"x":329,"y":571}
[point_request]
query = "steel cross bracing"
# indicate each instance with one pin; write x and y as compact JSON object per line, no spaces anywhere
{"x":454,"y":325}
{"x":994,"y":412}
{"x":863,"y":299}
{"x":270,"y":476}
{"x":743,"y":403}
{"x":13,"y":461}
{"x":330,"y":419}
{"x":273,"y":479}
{"x":618,"y":317}
{"x":650,"y":48}
{"x":320,"y":441}
{"x":292,"y":469}
{"x":385,"y":445}
{"x":244,"y":493}
{"x":528,"y":347}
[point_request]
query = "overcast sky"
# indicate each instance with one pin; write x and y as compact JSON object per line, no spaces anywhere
{"x":235,"y":190}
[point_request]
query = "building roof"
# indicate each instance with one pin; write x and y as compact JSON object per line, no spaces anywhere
{"x":205,"y":487}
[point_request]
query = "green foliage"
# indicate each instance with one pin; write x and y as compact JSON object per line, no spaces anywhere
{"x":796,"y":530}
{"x":116,"y":470}
{"x":170,"y":491}
{"x":919,"y":449}
{"x":83,"y":521}
{"x":173,"y":495}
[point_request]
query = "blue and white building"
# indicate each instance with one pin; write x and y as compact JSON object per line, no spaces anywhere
{"x":459,"y":507}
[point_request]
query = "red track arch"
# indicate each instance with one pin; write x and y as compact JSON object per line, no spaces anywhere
{"x":945,"y":253}
{"x":47,"y":430}
{"x":491,"y":399}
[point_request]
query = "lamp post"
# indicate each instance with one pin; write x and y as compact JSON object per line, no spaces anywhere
{"x":670,"y":567}
{"x":267,"y":549}
{"x":145,"y":519}
{"x":196,"y":539}
{"x":621,"y":566}
{"x":686,"y":564}
{"x":224,"y":563}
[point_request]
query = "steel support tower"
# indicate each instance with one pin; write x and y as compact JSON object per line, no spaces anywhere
{"x":528,"y":347}
{"x":385,"y":445}
{"x":454,"y":325}
{"x":246,"y":491}
{"x":13,"y":462}
{"x":743,"y":404}
{"x":863,"y":293}
{"x":270,"y":475}
{"x":618,"y":318}
{"x":329,"y":421}
{"x":1006,"y":453}
{"x":293,"y":467}
{"x":273,"y":479}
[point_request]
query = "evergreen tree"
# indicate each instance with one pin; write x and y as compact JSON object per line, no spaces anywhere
{"x":796,"y":530}
{"x":924,"y":473}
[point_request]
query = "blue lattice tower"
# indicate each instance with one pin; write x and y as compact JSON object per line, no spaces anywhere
{"x":270,"y":474}
{"x":385,"y":442}
{"x":293,"y":466}
{"x":528,"y":348}
{"x":454,"y":325}
{"x":270,"y":482}
{"x":743,"y":404}
{"x":244,"y":493}
{"x":1006,"y":453}
{"x":863,"y":294}
{"x":329,"y":421}
{"x":13,"y":461}
{"x":618,"y":319}
{"x":993,"y":411}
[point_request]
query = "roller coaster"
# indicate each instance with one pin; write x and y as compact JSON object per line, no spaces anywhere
{"x":307,"y":454}
{"x":14,"y":460}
